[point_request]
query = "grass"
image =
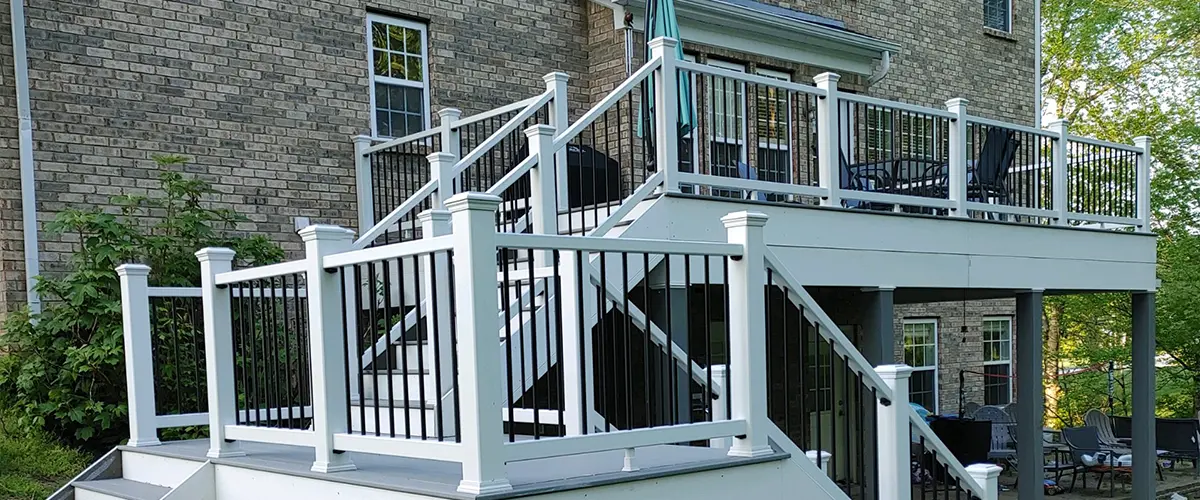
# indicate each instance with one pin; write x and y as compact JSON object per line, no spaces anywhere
{"x":34,"y":466}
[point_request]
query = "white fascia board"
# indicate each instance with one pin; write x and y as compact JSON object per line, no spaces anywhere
{"x":720,"y":24}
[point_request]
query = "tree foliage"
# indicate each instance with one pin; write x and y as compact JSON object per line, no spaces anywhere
{"x":1117,"y":69}
{"x":64,"y":371}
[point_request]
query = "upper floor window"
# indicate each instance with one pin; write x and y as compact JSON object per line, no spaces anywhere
{"x":399,"y":80}
{"x":997,"y":14}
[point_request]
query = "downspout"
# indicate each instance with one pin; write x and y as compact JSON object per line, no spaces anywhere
{"x":25,"y":150}
{"x":1037,"y":63}
{"x":885,"y":65}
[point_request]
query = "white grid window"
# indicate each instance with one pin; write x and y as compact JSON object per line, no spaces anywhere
{"x":997,"y":360}
{"x":920,"y":352}
{"x":773,"y":129}
{"x":727,"y":112}
{"x":399,"y":77}
{"x":997,"y":14}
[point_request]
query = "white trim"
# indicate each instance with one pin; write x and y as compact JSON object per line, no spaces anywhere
{"x":270,"y":435}
{"x":621,"y":245}
{"x":184,"y":420}
{"x":372,"y":78}
{"x":935,"y":368}
{"x":618,"y":440}
{"x":392,"y":251}
{"x":752,"y":185}
{"x":173,"y":291}
{"x":260,"y":272}
{"x":399,"y":447}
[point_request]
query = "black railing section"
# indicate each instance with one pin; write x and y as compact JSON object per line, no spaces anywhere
{"x":398,"y":172}
{"x":177,"y":341}
{"x":818,"y":398}
{"x":531,"y":319}
{"x":1009,"y":167}
{"x":892,"y":151}
{"x":750,"y":130}
{"x":272,"y":367}
{"x":607,"y":161}
{"x":512,"y":217}
{"x":1101,"y":180}
{"x":404,"y":370}
{"x":931,"y":477}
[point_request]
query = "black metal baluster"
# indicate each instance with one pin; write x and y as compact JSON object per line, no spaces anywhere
{"x":454,"y":347}
{"x":533,"y":345}
{"x":387,"y":328}
{"x":421,"y":381}
{"x":669,"y":393}
{"x":508,"y":343}
{"x":584,"y":347}
{"x":375,"y":328}
{"x":434,"y":333}
{"x":560,"y":394}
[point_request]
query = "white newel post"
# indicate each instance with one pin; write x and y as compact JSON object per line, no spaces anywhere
{"x":578,"y":372}
{"x":828,"y":141}
{"x":987,"y":476}
{"x":958,"y":156}
{"x":542,"y":211}
{"x":139,"y":355}
{"x":1143,"y":183}
{"x":218,"y":351}
{"x":720,"y":377}
{"x":1059,"y":170}
{"x":479,"y":370}
{"x":557,"y":84}
{"x":447,"y":118}
{"x":364,"y":184}
{"x":441,"y":171}
{"x":895,"y":440}
{"x":666,"y":112}
{"x":819,"y":458}
{"x":436,"y":290}
{"x":326,"y":343}
{"x":748,"y":333}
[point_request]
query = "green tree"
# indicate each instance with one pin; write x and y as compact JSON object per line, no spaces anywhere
{"x":65,"y":368}
{"x":1118,"y":69}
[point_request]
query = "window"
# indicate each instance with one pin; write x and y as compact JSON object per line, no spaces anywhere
{"x":997,"y":361}
{"x":726,"y":110}
{"x":920,"y":352}
{"x":399,"y":80}
{"x":895,"y":134}
{"x":773,"y":129}
{"x":997,"y":15}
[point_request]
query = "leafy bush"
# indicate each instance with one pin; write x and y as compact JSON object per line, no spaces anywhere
{"x":65,"y":370}
{"x":32,"y":465}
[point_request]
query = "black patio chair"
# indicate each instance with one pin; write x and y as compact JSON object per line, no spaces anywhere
{"x":1178,"y":438}
{"x":1122,"y":428}
{"x":1086,"y":441}
{"x":989,"y":176}
{"x":868,"y":176}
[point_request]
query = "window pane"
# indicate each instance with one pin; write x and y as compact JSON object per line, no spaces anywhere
{"x":379,"y":35}
{"x":414,"y":124}
{"x":381,"y":63}
{"x":996,"y":385}
{"x":398,"y":68}
{"x":415,"y":71}
{"x":396,"y":38}
{"x":383,"y":124}
{"x":412,"y":41}
{"x":412,"y":100}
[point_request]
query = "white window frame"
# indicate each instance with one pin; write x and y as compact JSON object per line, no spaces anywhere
{"x":787,"y":144}
{"x":1008,"y":361}
{"x":1008,"y":12}
{"x":935,"y":367}
{"x":372,"y":77}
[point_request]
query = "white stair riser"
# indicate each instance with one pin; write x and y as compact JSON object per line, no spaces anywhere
{"x":82,"y":494}
{"x":156,"y":470}
{"x":358,"y":424}
{"x":377,"y":386}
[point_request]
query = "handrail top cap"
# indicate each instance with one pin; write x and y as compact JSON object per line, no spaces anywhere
{"x":325,"y":232}
{"x":893,"y":371}
{"x":133,"y":269}
{"x":745,"y":219}
{"x":663,"y":41}
{"x":434,"y":214}
{"x":540,"y":129}
{"x":473,"y":201}
{"x":215,"y":253}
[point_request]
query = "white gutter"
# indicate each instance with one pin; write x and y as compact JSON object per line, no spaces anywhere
{"x":25,"y":150}
{"x":1037,"y":63}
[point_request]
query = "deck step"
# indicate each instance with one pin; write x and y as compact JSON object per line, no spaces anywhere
{"x":122,"y":489}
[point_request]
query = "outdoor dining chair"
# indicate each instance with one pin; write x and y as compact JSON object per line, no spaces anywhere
{"x":1103,"y":424}
{"x":1086,"y":441}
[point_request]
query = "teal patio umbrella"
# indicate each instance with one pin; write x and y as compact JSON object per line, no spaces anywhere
{"x":661,"y":22}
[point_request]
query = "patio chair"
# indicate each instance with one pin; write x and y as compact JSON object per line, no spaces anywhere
{"x":1086,"y":441}
{"x":1002,"y":447}
{"x":870,"y":176}
{"x":990,"y":176}
{"x":1178,"y":438}
{"x":969,"y":410}
{"x":1096,"y":418}
{"x":1122,"y":428}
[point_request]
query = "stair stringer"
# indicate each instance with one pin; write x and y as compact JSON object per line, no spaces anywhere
{"x":800,"y":463}
{"x":201,"y":485}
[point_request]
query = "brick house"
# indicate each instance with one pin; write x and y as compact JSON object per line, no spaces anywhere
{"x":265,"y":96}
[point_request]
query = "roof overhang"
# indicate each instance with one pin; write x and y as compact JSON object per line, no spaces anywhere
{"x":736,"y":26}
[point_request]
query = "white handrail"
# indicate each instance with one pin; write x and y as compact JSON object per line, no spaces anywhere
{"x":424,"y":134}
{"x":1012,"y":126}
{"x":749,"y":77}
{"x":627,"y":205}
{"x":599,"y":244}
{"x":884,"y":103}
{"x":173,"y":291}
{"x":500,"y":133}
{"x":387,"y":252}
{"x":561,"y":140}
{"x":508,"y":108}
{"x":261,"y":272}
{"x":513,"y":175}
{"x":943,"y":454}
{"x":407,"y":206}
{"x":1103,"y":144}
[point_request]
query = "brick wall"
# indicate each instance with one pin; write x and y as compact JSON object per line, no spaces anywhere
{"x":12,"y":264}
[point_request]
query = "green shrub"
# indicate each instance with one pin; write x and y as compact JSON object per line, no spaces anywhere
{"x":64,"y":372}
{"x":32,"y":465}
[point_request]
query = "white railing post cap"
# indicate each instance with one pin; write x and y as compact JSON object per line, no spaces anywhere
{"x":540,"y":129}
{"x":1141,"y":140}
{"x":433,"y":215}
{"x":663,"y":41}
{"x":984,"y":471}
{"x":441,"y":156}
{"x":827,"y":76}
{"x":556,"y":76}
{"x":744,"y":219}
{"x":449,"y":114}
{"x":133,"y":269}
{"x":325,"y":232}
{"x":362,"y":138}
{"x":956,"y":102}
{"x":893,"y":372}
{"x":215,"y":254}
{"x":473,"y":201}
{"x":1056,"y":123}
